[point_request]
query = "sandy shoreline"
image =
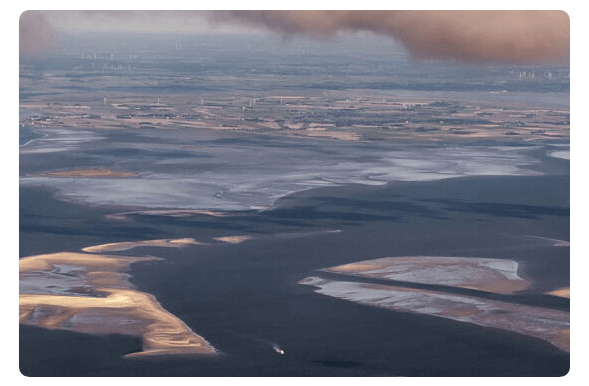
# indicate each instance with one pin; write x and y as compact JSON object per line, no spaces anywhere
{"x":556,"y":242}
{"x":101,"y":302}
{"x":125,"y":245}
{"x":169,"y":213}
{"x":86,"y":173}
{"x":483,"y":274}
{"x":547,"y":324}
{"x":561,"y":292}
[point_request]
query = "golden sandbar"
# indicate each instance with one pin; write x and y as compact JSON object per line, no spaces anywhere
{"x":561,"y":292}
{"x":113,"y":308}
{"x":122,"y":246}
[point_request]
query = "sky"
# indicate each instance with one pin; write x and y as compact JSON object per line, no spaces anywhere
{"x":468,"y":36}
{"x":137,"y":20}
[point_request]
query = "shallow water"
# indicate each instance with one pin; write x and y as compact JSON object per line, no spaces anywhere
{"x":198,"y":170}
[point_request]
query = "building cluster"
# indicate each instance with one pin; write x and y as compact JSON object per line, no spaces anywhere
{"x":547,"y":75}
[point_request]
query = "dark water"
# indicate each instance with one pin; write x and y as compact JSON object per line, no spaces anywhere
{"x":245,"y":298}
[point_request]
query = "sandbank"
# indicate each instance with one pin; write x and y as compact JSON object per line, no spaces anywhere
{"x":88,"y":173}
{"x":89,"y":263}
{"x":168,"y":212}
{"x":122,"y":246}
{"x":484,"y":274}
{"x":342,"y":136}
{"x":122,"y":311}
{"x":233,"y":239}
{"x":562,"y":154}
{"x":547,"y":324}
{"x":556,"y":242}
{"x":183,"y":212}
{"x":110,"y":307}
{"x":561,"y":292}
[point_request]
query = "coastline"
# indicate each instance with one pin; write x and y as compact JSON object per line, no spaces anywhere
{"x":96,"y":297}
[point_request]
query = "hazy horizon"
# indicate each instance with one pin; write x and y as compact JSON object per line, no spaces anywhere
{"x":469,"y":36}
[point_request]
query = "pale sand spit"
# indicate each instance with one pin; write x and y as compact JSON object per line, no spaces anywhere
{"x":484,"y":274}
{"x":233,"y":239}
{"x":547,"y":324}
